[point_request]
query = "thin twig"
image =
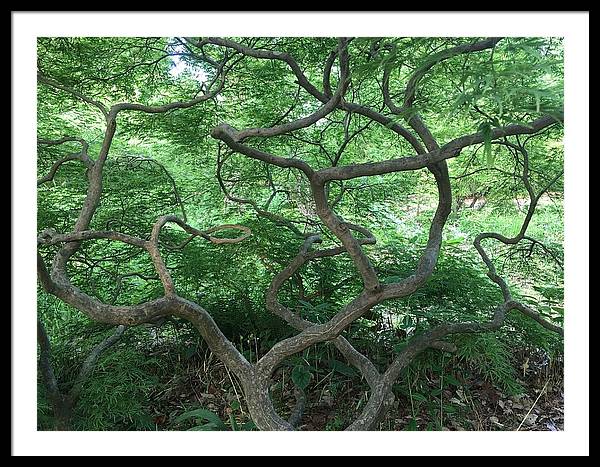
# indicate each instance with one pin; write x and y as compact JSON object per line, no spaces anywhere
{"x":535,"y":402}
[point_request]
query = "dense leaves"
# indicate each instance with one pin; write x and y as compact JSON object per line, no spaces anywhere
{"x":166,"y":163}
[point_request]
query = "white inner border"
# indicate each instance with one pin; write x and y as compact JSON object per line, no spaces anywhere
{"x":27,"y":26}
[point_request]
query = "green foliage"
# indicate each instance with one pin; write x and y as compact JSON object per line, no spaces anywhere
{"x":490,"y":356}
{"x":301,"y":376}
{"x":159,"y":162}
{"x":113,"y":399}
{"x":205,"y":420}
{"x":212,"y":420}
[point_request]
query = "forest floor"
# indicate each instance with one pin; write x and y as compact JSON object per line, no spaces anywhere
{"x":486,"y":408}
{"x":480,"y":406}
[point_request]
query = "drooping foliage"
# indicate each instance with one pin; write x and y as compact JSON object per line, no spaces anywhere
{"x":420,"y":179}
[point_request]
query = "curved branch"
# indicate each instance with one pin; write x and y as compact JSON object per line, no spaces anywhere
{"x":45,"y":363}
{"x":57,"y":85}
{"x":71,"y":157}
{"x":147,"y":312}
{"x":51,"y":237}
{"x":447,"y":151}
{"x":327,"y":72}
{"x":534,"y":315}
{"x":278,"y":220}
{"x":419,"y":73}
{"x":271,"y":55}
{"x":322,"y":112}
{"x":354,"y":357}
{"x":80,"y":156}
{"x":220,"y":75}
{"x":325,"y":96}
{"x":534,"y":199}
{"x":151,"y":109}
{"x":376,"y":405}
{"x":153,"y":249}
{"x":298,"y":410}
{"x":178,"y":199}
{"x":205,"y":233}
{"x":90,"y":362}
{"x":342,"y":231}
{"x":229,"y":136}
{"x":233,"y":138}
{"x":63,"y":140}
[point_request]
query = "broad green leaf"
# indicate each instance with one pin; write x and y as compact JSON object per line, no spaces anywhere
{"x":301,"y":376}
{"x":202,"y":414}
{"x":452,"y":380}
{"x":342,"y":368}
{"x":486,"y":129}
{"x":207,"y":427}
{"x":454,"y":241}
{"x":412,"y":425}
{"x":233,"y":422}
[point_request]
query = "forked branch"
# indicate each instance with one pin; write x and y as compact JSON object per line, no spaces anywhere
{"x":351,"y":238}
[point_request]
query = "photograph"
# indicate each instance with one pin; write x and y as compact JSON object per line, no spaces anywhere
{"x":301,"y":232}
